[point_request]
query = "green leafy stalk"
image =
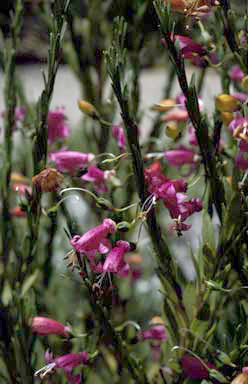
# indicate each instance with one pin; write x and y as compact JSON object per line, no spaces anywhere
{"x":9,"y":124}
{"x":42,"y":109}
{"x":200,"y":124}
{"x":116,"y":57}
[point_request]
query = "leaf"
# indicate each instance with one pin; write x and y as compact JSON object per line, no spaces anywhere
{"x":208,"y":231}
{"x":29,"y":282}
{"x":189,"y":299}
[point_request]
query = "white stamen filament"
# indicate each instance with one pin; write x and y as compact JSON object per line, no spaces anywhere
{"x":45,"y":370}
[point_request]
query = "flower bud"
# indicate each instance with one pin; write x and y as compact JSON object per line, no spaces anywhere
{"x":226,"y":103}
{"x":45,"y":326}
{"x":172,"y":130}
{"x":164,"y":105}
{"x":242,"y":378}
{"x":17,"y":178}
{"x":87,"y":108}
{"x":244,"y":83}
{"x":47,"y":180}
{"x":156,"y":320}
{"x":226,"y":117}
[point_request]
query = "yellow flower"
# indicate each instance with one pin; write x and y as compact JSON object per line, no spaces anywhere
{"x":226,"y":103}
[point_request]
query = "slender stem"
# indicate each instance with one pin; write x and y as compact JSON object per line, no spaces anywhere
{"x":9,"y":125}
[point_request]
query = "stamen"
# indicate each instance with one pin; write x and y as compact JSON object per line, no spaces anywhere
{"x":47,"y":369}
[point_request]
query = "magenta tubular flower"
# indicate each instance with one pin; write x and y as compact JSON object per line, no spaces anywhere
{"x":20,"y":113}
{"x":115,"y":262}
{"x":240,"y":96}
{"x":236,"y":73}
{"x":97,"y":177}
{"x":119,"y":136}
{"x":66,"y":362}
{"x":45,"y":326}
{"x":192,"y":136}
{"x":241,"y":162}
{"x":238,"y":122}
{"x":57,"y":126}
{"x":70,"y":161}
{"x":243,"y":146}
{"x":194,"y":368}
{"x":90,"y":242}
{"x":156,"y":332}
{"x":180,"y":156}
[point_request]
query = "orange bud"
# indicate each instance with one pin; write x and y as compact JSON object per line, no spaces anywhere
{"x":172,"y":130}
{"x":244,"y":83}
{"x":156,"y":320}
{"x":226,"y":117}
{"x":48,"y":180}
{"x":134,"y":258}
{"x":242,"y":378}
{"x":164,"y":105}
{"x":87,"y":108}
{"x":17,"y":178}
{"x":226,"y":103}
{"x":229,"y":179}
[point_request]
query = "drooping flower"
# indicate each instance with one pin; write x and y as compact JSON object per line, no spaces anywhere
{"x":156,"y":332}
{"x":57,"y":125}
{"x":48,"y":180}
{"x":98,"y":177}
{"x":119,"y":136}
{"x":236,"y":73}
{"x":90,"y":243}
{"x":46,"y":326}
{"x":114,"y":261}
{"x":196,"y":8}
{"x":241,"y":162}
{"x":180,"y":156}
{"x":194,"y":368}
{"x":70,"y":161}
{"x":67,"y":362}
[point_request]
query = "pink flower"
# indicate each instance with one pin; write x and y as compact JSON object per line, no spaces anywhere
{"x":177,"y":114}
{"x":70,"y":161}
{"x":240,"y":96}
{"x":45,"y":326}
{"x":114,"y":261}
{"x":188,"y":46}
{"x":236,"y":73}
{"x":241,"y":162}
{"x":90,"y":243}
{"x":57,"y":126}
{"x":156,"y":332}
{"x":17,"y":212}
{"x":194,"y":368}
{"x":66,"y":362}
{"x":21,"y":189}
{"x":118,"y":134}
{"x":97,"y":177}
{"x":180,"y":156}
{"x":192,"y":136}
